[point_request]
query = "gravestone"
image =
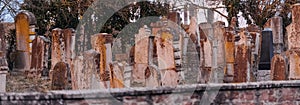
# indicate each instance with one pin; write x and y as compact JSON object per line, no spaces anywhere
{"x":62,"y":46}
{"x":141,"y":56}
{"x":254,"y":40}
{"x":242,"y":59}
{"x":206,"y":58}
{"x":294,"y":60}
{"x":60,"y":79}
{"x":57,"y":49}
{"x":39,"y":58}
{"x":25,"y":23}
{"x":219,"y":62}
{"x":229,"y":51}
{"x":293,"y":35}
{"x":267,"y":50}
{"x":117,"y":75}
{"x":165,"y":56}
{"x":278,"y":68}
{"x":69,"y":38}
{"x":102,"y":43}
{"x":85,"y":71}
{"x":278,"y":63}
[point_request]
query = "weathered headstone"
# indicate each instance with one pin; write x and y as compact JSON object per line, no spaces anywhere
{"x":229,"y":51}
{"x":127,"y":75}
{"x":242,"y":59}
{"x":278,"y":63}
{"x":294,"y":60}
{"x":69,"y":38}
{"x":102,"y":43}
{"x":206,"y":50}
{"x":85,"y":71}
{"x":254,"y":40}
{"x":294,"y":43}
{"x":278,"y":68}
{"x":116,"y":75}
{"x":39,"y":58}
{"x":62,"y":46}
{"x":25,"y":23}
{"x":165,"y":54}
{"x":219,"y":61}
{"x":57,"y":49}
{"x":141,"y":56}
{"x":59,"y":80}
{"x":214,"y":52}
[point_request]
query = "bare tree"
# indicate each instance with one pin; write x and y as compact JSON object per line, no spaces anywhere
{"x":9,"y":8}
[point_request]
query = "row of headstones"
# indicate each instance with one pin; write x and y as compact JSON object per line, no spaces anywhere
{"x":160,"y":67}
{"x":243,"y":56}
{"x":285,"y":65}
{"x":93,"y":69}
{"x":228,"y":54}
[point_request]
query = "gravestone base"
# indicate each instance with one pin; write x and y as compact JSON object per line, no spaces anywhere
{"x":3,"y":74}
{"x":22,"y":61}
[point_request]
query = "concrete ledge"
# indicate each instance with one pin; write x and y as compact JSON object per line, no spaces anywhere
{"x":108,"y":93}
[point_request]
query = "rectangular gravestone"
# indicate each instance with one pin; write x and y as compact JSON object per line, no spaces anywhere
{"x":102,"y":43}
{"x":206,"y":51}
{"x":68,"y":37}
{"x":166,"y":62}
{"x":141,"y":56}
{"x":85,"y":71}
{"x":229,"y":52}
{"x":278,"y":63}
{"x":219,"y":63}
{"x":39,"y":58}
{"x":56,"y":49}
{"x":294,"y":43}
{"x":266,"y":51}
{"x":117,"y":75}
{"x":242,"y":59}
{"x":294,"y":60}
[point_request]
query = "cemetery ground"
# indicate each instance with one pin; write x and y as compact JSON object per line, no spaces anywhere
{"x":18,"y":82}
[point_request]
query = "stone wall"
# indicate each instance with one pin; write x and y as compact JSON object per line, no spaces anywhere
{"x":261,"y":93}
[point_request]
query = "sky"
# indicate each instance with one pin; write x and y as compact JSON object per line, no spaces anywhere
{"x":7,"y":17}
